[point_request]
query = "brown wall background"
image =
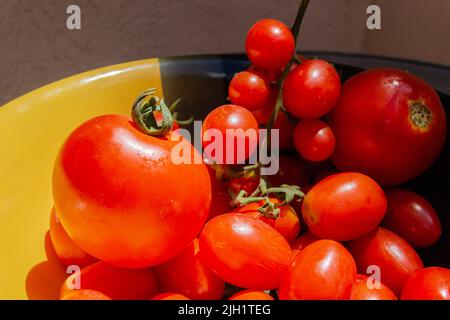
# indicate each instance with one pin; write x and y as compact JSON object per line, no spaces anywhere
{"x":36,"y":47}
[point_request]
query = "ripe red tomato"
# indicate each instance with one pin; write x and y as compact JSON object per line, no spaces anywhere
{"x":270,"y":44}
{"x":324,"y":270}
{"x":412,"y":217}
{"x":291,"y":171}
{"x":215,"y":126}
{"x":244,"y":251}
{"x":249,"y":90}
{"x":251,"y":295}
{"x":249,"y":182}
{"x":362,"y":291}
{"x":187,"y":274}
{"x":169,"y":296}
{"x":117,"y":283}
{"x":66,"y":250}
{"x":344,"y":206}
{"x":114,"y":189}
{"x":389,"y":124}
{"x":396,"y":259}
{"x":287,"y":223}
{"x":311,"y":89}
{"x":86,"y":294}
{"x":314,"y":140}
{"x":428,"y":284}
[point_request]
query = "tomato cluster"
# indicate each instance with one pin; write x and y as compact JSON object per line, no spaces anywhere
{"x":141,"y":227}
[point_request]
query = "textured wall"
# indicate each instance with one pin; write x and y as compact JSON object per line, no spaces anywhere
{"x":36,"y":47}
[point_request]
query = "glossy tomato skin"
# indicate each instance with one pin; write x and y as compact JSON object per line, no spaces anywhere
{"x":115,"y":193}
{"x":169,"y":296}
{"x":311,"y":89}
{"x":352,"y":201}
{"x":269,"y":44}
{"x":314,"y":140}
{"x":86,"y":294}
{"x":428,"y":284}
{"x":249,"y":90}
{"x":412,"y":217}
{"x":362,"y":291}
{"x":396,"y":259}
{"x":187,"y":274}
{"x":389,"y":124}
{"x":244,"y":251}
{"x":250,"y":295}
{"x":230,"y":117}
{"x":324,"y":270}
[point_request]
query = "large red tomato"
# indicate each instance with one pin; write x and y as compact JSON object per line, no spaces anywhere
{"x":344,"y":206}
{"x":122,"y":199}
{"x":428,"y":284}
{"x":389,"y":124}
{"x":244,"y":251}
{"x":396,"y":259}
{"x":324,"y":270}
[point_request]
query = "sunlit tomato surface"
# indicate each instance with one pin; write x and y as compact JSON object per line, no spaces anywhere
{"x":291,"y":171}
{"x":251,"y":295}
{"x":311,"y":89}
{"x":115,"y":282}
{"x":66,"y":250}
{"x":169,"y":296}
{"x":187,"y":274}
{"x":389,"y":124}
{"x":249,"y":90}
{"x":428,"y":284}
{"x":366,"y":289}
{"x":242,"y":138}
{"x":244,"y":251}
{"x":287,"y":223}
{"x":86,"y":294}
{"x":396,"y":259}
{"x":270,"y":44}
{"x":344,"y":206}
{"x":122,"y":199}
{"x":412,"y":217}
{"x":314,"y":140}
{"x":324,"y":270}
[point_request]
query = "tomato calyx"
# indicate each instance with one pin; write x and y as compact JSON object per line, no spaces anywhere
{"x":419,"y":114}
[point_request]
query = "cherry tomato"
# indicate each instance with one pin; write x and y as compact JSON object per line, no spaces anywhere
{"x":249,"y":182}
{"x":311,"y":89}
{"x":86,"y":294}
{"x":302,"y":242}
{"x":291,"y":170}
{"x":314,"y":140}
{"x":251,"y":295}
{"x":412,"y":217}
{"x":249,"y":90}
{"x":363,"y":290}
{"x":324,"y":270}
{"x":169,"y":296}
{"x":389,"y":124}
{"x":396,"y":259}
{"x":270,"y":44}
{"x":239,"y":146}
{"x":117,"y":283}
{"x":66,"y":250}
{"x":244,"y":251}
{"x":187,"y":274}
{"x":428,"y":284}
{"x":113,"y":189}
{"x":287,"y":223}
{"x":344,"y":206}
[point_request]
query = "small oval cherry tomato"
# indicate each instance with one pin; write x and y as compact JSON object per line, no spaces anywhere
{"x":412,"y":217}
{"x":249,"y":182}
{"x":344,"y":206}
{"x":244,"y":251}
{"x":269,"y":44}
{"x":428,"y":284}
{"x":247,"y":89}
{"x":362,"y":290}
{"x":396,"y":259}
{"x":324,"y":270}
{"x":251,"y":295}
{"x":169,"y":296}
{"x":86,"y":294}
{"x":187,"y":274}
{"x":311,"y":89}
{"x":314,"y":140}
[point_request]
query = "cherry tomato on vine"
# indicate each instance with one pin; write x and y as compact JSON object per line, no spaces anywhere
{"x":169,"y":296}
{"x":244,"y":251}
{"x":251,"y":295}
{"x":249,"y":182}
{"x":314,"y":140}
{"x":86,"y":294}
{"x":365,"y":289}
{"x":428,"y":284}
{"x":249,"y":90}
{"x":324,"y":270}
{"x":344,"y":206}
{"x":412,"y":217}
{"x":270,"y":44}
{"x":311,"y":89}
